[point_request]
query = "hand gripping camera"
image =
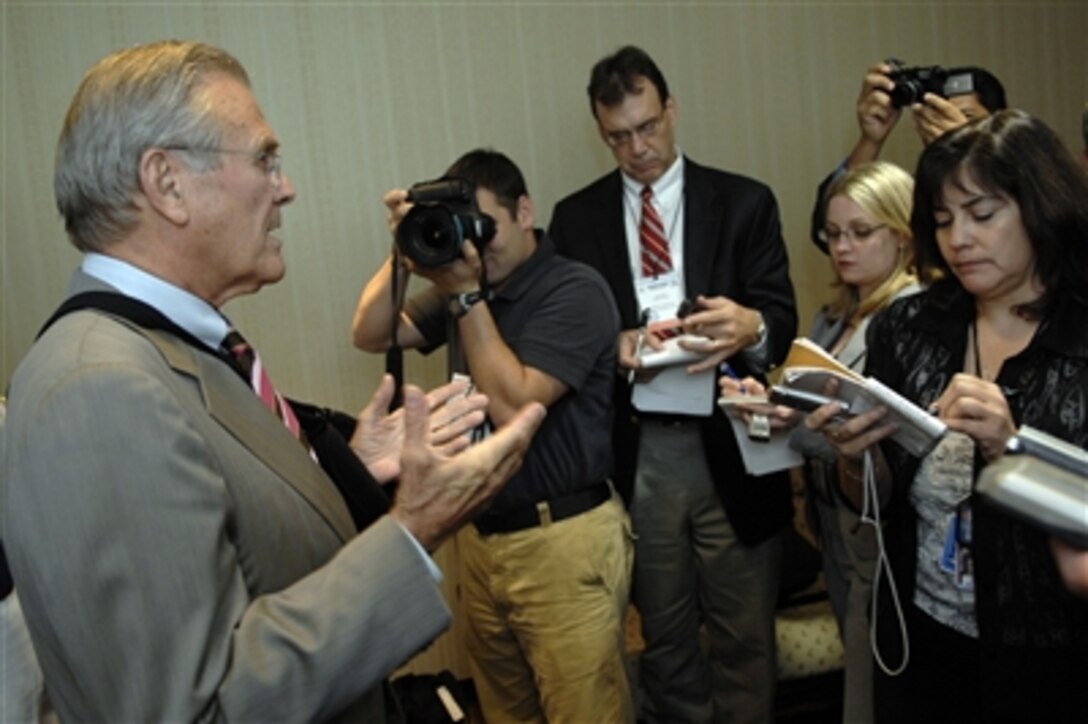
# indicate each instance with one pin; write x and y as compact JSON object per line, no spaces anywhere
{"x":912,"y":83}
{"x":445,"y":215}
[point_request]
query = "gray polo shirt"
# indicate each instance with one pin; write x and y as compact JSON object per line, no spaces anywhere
{"x":558,"y":316}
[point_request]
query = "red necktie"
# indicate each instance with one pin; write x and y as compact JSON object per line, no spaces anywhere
{"x":250,"y":363}
{"x":652,"y":240}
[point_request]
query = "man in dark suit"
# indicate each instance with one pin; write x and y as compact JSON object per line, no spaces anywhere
{"x":708,"y":549}
{"x":178,"y":552}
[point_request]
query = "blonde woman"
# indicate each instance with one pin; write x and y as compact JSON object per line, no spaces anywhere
{"x":867,"y":232}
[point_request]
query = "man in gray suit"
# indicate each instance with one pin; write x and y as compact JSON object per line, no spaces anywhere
{"x":179,"y":554}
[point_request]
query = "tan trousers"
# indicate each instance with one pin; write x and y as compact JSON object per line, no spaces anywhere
{"x":544,"y":611}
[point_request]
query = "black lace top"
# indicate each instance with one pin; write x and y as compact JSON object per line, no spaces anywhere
{"x":1033,"y":634}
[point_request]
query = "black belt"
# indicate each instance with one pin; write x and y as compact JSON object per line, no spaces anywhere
{"x":556,"y":509}
{"x":669,"y":420}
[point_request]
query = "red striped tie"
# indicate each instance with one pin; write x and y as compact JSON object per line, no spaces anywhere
{"x":652,"y":240}
{"x":259,"y":380}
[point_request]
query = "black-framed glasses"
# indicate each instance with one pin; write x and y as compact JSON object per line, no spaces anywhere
{"x":854,"y":233}
{"x":267,"y":160}
{"x":645,"y":130}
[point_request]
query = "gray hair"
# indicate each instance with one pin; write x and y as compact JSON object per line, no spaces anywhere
{"x":132,"y":100}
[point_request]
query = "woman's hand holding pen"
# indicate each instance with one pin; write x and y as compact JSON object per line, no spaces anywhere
{"x":978,"y":408}
{"x":780,"y":417}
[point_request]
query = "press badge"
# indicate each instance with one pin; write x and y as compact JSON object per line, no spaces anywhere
{"x":956,"y":556}
{"x":662,"y":295}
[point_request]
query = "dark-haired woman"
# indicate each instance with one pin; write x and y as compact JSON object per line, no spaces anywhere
{"x":982,"y":627}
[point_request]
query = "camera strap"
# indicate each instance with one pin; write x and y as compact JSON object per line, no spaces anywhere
{"x":870,"y":515}
{"x":394,"y":356}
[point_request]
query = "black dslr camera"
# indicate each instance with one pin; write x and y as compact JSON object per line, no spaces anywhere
{"x":914,"y":82}
{"x":445,"y":215}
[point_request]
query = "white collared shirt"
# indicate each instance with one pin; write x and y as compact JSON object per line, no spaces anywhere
{"x":183,"y":308}
{"x":668,"y":201}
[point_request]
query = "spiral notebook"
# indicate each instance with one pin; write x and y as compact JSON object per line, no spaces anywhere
{"x":809,"y":367}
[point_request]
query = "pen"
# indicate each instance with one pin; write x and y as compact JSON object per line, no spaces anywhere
{"x":728,"y":372}
{"x":640,"y":338}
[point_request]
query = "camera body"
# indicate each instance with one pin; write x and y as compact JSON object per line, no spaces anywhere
{"x":912,"y":83}
{"x":444,"y":217}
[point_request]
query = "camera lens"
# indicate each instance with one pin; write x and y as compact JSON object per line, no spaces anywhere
{"x":906,"y":92}
{"x":430,"y":236}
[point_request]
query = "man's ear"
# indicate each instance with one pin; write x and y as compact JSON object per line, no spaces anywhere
{"x":526,"y":215}
{"x":162,"y":183}
{"x":672,"y":109}
{"x":604,"y":135}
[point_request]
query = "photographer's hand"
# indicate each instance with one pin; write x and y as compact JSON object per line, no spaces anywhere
{"x":396,"y":200}
{"x":876,"y":116}
{"x":456,"y":277}
{"x":936,"y":116}
{"x":372,"y":325}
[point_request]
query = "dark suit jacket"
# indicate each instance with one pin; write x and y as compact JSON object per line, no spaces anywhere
{"x":732,"y":247}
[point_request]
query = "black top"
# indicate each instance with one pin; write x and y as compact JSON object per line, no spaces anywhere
{"x":557,"y":316}
{"x":1033,"y":633}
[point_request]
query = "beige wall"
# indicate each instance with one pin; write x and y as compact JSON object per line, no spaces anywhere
{"x":367,"y":95}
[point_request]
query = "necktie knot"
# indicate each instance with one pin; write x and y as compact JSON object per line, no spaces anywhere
{"x":249,"y":362}
{"x":647,"y":193}
{"x":240,"y":351}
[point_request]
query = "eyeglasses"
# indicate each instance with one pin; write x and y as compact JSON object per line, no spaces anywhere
{"x":854,"y":233}
{"x":267,"y":160}
{"x":645,"y":130}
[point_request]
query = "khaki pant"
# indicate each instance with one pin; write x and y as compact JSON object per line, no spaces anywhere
{"x":544,"y":612}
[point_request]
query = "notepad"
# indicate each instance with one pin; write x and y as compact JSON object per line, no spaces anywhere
{"x":809,"y":367}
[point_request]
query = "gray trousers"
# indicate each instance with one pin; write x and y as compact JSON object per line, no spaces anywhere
{"x":849,"y":562}
{"x":690,"y":570}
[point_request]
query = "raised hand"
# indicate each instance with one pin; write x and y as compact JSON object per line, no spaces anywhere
{"x":437,"y":493}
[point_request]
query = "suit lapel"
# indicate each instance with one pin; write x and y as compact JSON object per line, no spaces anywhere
{"x":609,"y":222}
{"x":698,"y":219}
{"x":234,"y":406}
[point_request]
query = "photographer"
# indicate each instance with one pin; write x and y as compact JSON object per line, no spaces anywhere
{"x":939,"y":100}
{"x":546,"y":569}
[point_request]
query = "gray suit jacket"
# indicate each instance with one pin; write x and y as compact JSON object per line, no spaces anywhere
{"x":178,"y":554}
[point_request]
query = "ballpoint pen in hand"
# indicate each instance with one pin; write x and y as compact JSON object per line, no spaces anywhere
{"x":727,"y":370}
{"x":640,"y":339}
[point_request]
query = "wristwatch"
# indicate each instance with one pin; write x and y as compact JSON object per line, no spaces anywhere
{"x":761,"y":333}
{"x":461,"y":303}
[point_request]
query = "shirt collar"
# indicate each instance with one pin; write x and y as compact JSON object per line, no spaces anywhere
{"x":667,"y":185}
{"x":184,"y":309}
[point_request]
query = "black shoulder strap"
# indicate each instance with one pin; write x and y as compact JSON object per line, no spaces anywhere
{"x":128,"y":308}
{"x":6,"y":584}
{"x":327,"y":431}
